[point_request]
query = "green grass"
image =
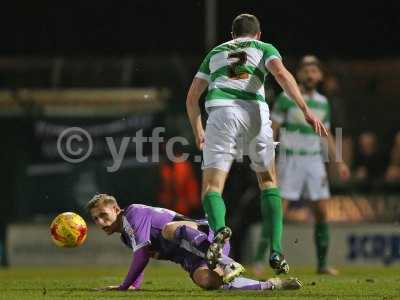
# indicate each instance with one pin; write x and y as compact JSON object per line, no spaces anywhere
{"x":169,"y":282}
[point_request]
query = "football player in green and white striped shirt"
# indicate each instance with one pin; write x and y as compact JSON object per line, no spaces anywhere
{"x":239,"y":124}
{"x":301,"y":165}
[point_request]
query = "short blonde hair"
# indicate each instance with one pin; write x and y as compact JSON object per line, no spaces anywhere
{"x":100,"y":199}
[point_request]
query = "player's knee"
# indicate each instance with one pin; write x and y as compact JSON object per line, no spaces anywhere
{"x":267,"y":185}
{"x":168,"y":231}
{"x":320,"y":217}
{"x":320,"y":212}
{"x":209,"y":187}
{"x":213,"y":181}
{"x":207,"y":279}
{"x":267,"y":179}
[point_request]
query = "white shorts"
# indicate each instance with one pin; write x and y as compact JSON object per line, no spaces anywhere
{"x":233,"y":132}
{"x":303,"y":176}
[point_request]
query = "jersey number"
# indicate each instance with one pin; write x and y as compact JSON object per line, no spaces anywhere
{"x":236,"y":69}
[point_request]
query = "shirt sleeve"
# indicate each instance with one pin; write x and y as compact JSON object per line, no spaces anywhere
{"x":137,"y":224}
{"x":279,"y":111}
{"x":142,"y":233}
{"x":135,"y":274}
{"x":204,"y":69}
{"x":270,"y":53}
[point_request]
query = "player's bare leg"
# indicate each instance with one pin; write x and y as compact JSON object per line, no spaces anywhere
{"x":321,"y":236}
{"x":213,"y":204}
{"x":271,"y":209}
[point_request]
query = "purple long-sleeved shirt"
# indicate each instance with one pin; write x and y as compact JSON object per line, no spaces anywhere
{"x":141,"y":223}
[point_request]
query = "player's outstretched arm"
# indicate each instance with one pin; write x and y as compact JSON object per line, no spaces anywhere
{"x":193,"y":109}
{"x":289,"y":85}
{"x":134,"y":277}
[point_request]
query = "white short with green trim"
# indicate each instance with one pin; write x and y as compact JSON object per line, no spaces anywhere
{"x":303,"y":176}
{"x":235,"y":131}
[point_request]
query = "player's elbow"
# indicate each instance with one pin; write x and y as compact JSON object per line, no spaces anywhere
{"x":281,"y":75}
{"x":191,"y":101}
{"x":278,"y":70}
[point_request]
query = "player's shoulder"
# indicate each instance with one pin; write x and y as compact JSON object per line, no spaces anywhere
{"x":265,"y":45}
{"x":232,"y":45}
{"x":146,"y":208}
{"x":135,"y":213}
{"x":135,"y":207}
{"x":226,"y":46}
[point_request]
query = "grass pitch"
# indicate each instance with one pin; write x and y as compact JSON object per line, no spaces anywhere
{"x":170,"y":282}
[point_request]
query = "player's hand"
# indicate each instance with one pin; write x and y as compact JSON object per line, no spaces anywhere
{"x":344,"y":171}
{"x":200,"y":140}
{"x":107,"y":288}
{"x":113,"y":288}
{"x":315,"y":123}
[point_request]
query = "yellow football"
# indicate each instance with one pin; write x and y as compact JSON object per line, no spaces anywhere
{"x":68,"y":230}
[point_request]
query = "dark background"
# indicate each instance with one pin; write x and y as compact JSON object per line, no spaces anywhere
{"x":333,"y":29}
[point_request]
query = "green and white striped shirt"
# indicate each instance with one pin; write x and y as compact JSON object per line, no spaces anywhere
{"x":297,"y":136}
{"x":236,"y":72}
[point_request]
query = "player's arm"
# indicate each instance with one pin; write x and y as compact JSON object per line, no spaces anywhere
{"x":134,"y":277}
{"x":139,"y":262}
{"x":289,"y":85}
{"x":193,"y":109}
{"x":343,"y":169}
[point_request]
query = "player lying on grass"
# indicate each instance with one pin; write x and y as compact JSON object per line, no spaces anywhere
{"x":159,"y":233}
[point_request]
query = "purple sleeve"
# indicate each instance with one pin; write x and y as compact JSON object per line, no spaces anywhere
{"x":135,"y":274}
{"x":142,"y":219}
{"x":139,"y":220}
{"x":138,"y":282}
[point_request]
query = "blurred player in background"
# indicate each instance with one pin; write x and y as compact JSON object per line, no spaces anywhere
{"x":158,"y":233}
{"x":301,"y":165}
{"x":239,"y":124}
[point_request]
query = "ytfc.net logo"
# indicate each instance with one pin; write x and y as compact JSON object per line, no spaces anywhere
{"x":76,"y":144}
